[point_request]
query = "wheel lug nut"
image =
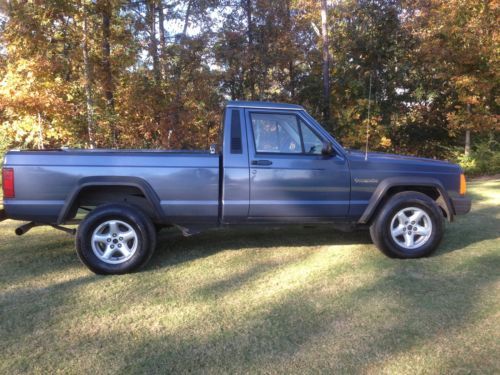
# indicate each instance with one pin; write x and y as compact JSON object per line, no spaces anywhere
{"x":114,"y":234}
{"x":121,"y":238}
{"x":413,"y":222}
{"x":109,"y":240}
{"x":112,"y":246}
{"x":119,"y":245}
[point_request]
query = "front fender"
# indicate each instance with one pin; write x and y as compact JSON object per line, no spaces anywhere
{"x":408,"y":183}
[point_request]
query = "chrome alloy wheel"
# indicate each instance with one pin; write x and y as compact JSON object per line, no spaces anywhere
{"x":114,"y":242}
{"x":411,"y":228}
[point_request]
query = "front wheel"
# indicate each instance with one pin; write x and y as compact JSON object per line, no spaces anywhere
{"x":115,"y":239}
{"x":409,"y":225}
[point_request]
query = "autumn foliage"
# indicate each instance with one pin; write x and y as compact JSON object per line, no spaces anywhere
{"x":156,"y":73}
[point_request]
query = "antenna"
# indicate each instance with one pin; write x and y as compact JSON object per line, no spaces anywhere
{"x":369,"y":118}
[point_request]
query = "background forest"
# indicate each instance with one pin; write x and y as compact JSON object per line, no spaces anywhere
{"x":422,"y":75}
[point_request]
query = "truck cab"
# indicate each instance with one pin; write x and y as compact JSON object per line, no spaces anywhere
{"x":280,"y":165}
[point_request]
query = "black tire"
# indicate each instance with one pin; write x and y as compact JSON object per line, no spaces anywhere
{"x":384,"y":224}
{"x":144,"y":234}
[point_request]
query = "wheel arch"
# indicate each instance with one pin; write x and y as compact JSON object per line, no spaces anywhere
{"x":119,"y":187}
{"x":393,"y":185}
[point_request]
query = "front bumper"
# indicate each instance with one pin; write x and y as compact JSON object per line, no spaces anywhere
{"x":462,"y":205}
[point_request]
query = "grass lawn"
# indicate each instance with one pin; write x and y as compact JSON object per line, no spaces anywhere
{"x":275,"y":301}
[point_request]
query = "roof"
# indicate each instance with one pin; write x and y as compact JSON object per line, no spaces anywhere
{"x":266,"y":105}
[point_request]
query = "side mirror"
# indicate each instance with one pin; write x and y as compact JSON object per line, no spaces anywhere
{"x":327,"y":149}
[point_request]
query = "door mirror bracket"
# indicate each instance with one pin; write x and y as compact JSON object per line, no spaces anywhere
{"x":327,"y":149}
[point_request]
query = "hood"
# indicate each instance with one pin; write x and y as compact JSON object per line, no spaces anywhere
{"x":379,"y":158}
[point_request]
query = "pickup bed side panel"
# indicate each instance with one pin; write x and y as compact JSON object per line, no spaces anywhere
{"x":185,"y":183}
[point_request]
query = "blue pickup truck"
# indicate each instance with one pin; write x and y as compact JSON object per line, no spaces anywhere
{"x":276,"y":166}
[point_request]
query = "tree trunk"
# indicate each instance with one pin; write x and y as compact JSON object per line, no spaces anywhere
{"x":467,"y":143}
{"x":153,"y":52}
{"x":291,"y":66}
{"x":106,"y":66}
{"x":161,"y":21}
{"x":467,"y":135}
{"x":67,"y":46}
{"x":251,"y":70}
{"x":291,"y":72}
{"x":326,"y":62}
{"x":163,"y":42}
{"x":40,"y":132}
{"x":153,"y":42}
{"x":177,"y":105}
{"x":88,"y":81}
{"x":186,"y":18}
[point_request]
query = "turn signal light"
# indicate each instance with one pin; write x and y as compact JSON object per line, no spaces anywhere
{"x":463,"y":184}
{"x":8,"y":183}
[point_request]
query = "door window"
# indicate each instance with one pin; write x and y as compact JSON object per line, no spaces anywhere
{"x":285,"y":134}
{"x":277,"y":133}
{"x":312,"y":143}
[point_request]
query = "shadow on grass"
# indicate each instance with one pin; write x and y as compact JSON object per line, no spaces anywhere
{"x":477,"y":226}
{"x":25,"y":310}
{"x":173,"y":248}
{"x":240,"y":280}
{"x":31,"y":258}
{"x":34,"y":254}
{"x":314,"y":330}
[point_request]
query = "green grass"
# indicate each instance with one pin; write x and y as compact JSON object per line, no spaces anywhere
{"x":275,"y":301}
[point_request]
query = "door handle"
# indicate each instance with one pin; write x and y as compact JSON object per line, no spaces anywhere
{"x":262,"y":162}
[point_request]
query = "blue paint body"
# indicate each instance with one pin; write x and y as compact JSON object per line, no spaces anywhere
{"x":189,"y":188}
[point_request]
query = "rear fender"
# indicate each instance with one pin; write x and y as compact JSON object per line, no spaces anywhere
{"x":110,"y":181}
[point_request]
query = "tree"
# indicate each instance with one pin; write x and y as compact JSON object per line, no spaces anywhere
{"x":460,"y":42}
{"x":33,"y":108}
{"x":155,"y":73}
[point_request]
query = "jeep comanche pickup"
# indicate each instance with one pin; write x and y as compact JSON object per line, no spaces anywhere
{"x":276,"y":166}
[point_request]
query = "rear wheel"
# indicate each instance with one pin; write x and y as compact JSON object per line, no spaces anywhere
{"x":115,"y":239}
{"x":409,"y":225}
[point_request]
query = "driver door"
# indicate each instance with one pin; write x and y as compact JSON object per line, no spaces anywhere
{"x":290,"y":178}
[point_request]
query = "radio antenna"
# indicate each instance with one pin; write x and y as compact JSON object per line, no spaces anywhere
{"x":369,"y":117}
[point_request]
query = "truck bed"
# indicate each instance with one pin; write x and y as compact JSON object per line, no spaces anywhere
{"x":186,"y":184}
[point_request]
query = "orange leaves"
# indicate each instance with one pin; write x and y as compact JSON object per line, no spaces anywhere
{"x":385,"y":142}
